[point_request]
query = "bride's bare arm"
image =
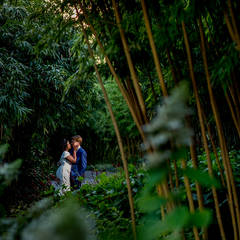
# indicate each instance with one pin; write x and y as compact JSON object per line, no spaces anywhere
{"x":73,"y":158}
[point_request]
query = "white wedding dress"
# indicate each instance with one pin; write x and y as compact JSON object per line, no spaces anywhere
{"x":63,"y":174}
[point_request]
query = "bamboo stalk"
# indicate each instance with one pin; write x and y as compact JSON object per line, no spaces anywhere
{"x":159,"y":72}
{"x":229,"y":26}
{"x":112,"y":70}
{"x":176,"y":82}
{"x":233,"y":199}
{"x":152,"y":88}
{"x":198,"y":187}
{"x":235,"y":100}
{"x":203,"y":132}
{"x":176,"y":174}
{"x":1,"y":136}
{"x":234,"y":24}
{"x":230,"y":29}
{"x":128,"y":148}
{"x":195,"y":166}
{"x":158,"y":69}
{"x":130,"y":63}
{"x":236,"y":87}
{"x":176,"y":64}
{"x":234,"y":117}
{"x":214,"y":148}
{"x":170,"y":204}
{"x":154,"y":49}
{"x":119,"y":139}
{"x":173,"y":71}
{"x":190,"y":198}
{"x":170,"y":176}
{"x":134,"y":101}
{"x":160,"y":193}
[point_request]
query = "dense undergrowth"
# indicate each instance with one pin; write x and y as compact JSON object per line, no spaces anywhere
{"x":107,"y":203}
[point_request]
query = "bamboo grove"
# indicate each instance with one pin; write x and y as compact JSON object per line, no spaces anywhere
{"x":197,"y":41}
{"x":146,"y":48}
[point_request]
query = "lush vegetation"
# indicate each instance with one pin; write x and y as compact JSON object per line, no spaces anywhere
{"x":113,"y":72}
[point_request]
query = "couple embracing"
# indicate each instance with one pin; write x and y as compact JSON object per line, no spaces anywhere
{"x":73,"y":163}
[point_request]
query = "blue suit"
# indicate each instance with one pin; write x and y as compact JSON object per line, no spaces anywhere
{"x":79,"y":167}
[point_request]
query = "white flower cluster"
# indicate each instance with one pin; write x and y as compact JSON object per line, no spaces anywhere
{"x":168,"y":129}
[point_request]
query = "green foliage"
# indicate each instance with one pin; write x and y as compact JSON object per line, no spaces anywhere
{"x":8,"y":173}
{"x":108,"y":201}
{"x":36,"y":111}
{"x":44,"y":220}
{"x":168,"y":135}
{"x":101,"y":120}
{"x":49,"y":91}
{"x":68,"y":221}
{"x":174,"y":222}
{"x":201,"y":177}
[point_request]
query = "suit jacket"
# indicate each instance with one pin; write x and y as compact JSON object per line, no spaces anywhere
{"x":80,"y":166}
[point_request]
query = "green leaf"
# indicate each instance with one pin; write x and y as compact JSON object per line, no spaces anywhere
{"x":157,"y":176}
{"x":148,"y":203}
{"x":180,"y":153}
{"x":3,"y":150}
{"x":201,"y":177}
{"x":201,"y":218}
{"x":174,"y":221}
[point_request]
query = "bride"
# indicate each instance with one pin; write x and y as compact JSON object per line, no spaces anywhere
{"x":63,"y":172}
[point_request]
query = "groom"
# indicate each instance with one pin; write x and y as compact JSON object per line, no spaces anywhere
{"x":80,"y":166}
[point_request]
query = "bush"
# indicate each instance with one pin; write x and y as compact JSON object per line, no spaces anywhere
{"x":108,"y":201}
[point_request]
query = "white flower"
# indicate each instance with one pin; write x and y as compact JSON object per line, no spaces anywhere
{"x":168,"y":128}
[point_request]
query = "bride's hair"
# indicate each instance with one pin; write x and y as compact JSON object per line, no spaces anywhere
{"x":64,"y":144}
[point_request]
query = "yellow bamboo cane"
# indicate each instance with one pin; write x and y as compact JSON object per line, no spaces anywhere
{"x":119,"y":139}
